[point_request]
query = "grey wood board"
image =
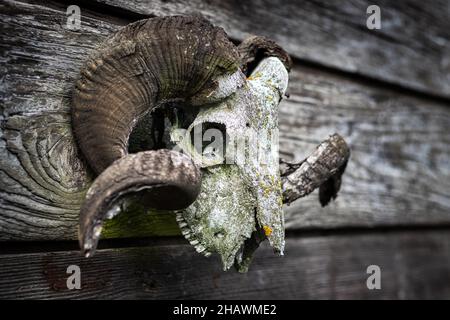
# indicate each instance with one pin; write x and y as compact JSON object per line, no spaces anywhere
{"x":411,"y":49}
{"x":398,"y":173}
{"x":413,"y":264}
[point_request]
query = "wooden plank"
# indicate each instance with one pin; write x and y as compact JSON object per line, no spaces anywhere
{"x":414,"y":265}
{"x":398,"y":173}
{"x":411,"y":49}
{"x":399,"y":168}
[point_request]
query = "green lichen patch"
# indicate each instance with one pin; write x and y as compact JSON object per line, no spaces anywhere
{"x":136,"y":221}
{"x":222,"y":217}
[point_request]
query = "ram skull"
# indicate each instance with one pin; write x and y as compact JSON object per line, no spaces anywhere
{"x":170,"y":83}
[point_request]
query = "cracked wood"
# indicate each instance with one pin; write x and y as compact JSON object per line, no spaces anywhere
{"x":398,"y":173}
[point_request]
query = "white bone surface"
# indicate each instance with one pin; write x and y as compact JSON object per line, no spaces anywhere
{"x":247,"y":176}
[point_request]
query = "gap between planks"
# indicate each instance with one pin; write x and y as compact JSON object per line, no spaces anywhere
{"x":413,"y":266}
{"x":123,"y":16}
{"x":338,"y":79}
{"x":24,"y":247}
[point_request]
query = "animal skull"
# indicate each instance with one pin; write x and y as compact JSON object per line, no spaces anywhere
{"x":227,"y":195}
{"x":241,"y":185}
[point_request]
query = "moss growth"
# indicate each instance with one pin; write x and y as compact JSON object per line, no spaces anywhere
{"x":136,"y":221}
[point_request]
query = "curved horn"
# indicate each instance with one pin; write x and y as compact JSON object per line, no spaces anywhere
{"x":143,"y":66}
{"x":254,"y":49}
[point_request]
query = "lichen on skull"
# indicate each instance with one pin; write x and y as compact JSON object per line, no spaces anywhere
{"x":241,"y":185}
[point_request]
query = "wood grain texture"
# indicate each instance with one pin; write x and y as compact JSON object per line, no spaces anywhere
{"x":398,"y":173}
{"x":42,"y":180}
{"x":414,"y":265}
{"x":411,"y":49}
{"x":399,"y":168}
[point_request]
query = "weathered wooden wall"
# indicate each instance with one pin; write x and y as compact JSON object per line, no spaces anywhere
{"x":315,"y":267}
{"x":386,"y":91}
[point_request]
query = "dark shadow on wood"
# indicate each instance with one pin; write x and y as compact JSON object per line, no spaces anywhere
{"x":413,"y":266}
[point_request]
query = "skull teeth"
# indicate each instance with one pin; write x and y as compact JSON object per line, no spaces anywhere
{"x":187,"y":233}
{"x":200,"y":248}
{"x":182,"y":224}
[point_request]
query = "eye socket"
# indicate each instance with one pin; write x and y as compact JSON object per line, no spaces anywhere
{"x":209,"y":139}
{"x":150,"y":132}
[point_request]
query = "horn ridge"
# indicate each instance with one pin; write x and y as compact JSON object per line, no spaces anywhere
{"x":144,"y":64}
{"x":139,"y":68}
